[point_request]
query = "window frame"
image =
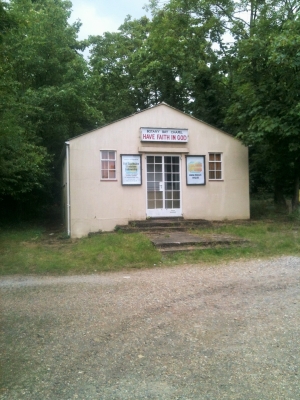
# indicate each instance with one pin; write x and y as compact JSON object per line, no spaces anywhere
{"x":108,"y":169}
{"x":214,"y":170}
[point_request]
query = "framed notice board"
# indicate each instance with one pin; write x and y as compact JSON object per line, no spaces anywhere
{"x":195,"y":170}
{"x":131,"y":169}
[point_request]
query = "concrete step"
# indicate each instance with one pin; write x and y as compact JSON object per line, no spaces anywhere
{"x":147,"y":229}
{"x":181,"y":249}
{"x":157,"y":224}
{"x":165,"y":222}
{"x":177,"y":241}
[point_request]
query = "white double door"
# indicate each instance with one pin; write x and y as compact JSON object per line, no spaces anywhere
{"x":163,"y":186}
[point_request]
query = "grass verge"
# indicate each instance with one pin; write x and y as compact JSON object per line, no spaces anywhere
{"x":32,"y":251}
{"x":265,"y":239}
{"x":27,"y":252}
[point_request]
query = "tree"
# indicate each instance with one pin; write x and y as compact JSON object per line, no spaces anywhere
{"x":116,"y":59}
{"x":44,"y":93}
{"x":265,"y":107}
{"x":23,"y":163}
{"x":167,"y":59}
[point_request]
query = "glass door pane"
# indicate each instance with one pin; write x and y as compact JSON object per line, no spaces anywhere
{"x":154,"y":182}
{"x":172,"y":182}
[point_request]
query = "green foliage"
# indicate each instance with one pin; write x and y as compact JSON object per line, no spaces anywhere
{"x":43,"y":93}
{"x":166,"y":59}
{"x":264,"y":110}
{"x":24,"y":166}
{"x":115,"y":62}
{"x":49,"y":93}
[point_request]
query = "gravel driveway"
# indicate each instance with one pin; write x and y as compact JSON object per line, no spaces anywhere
{"x":187,"y":332}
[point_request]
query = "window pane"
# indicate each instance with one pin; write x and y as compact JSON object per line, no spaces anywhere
{"x":158,"y":159}
{"x":168,"y":195}
{"x":176,"y":195}
{"x":215,"y":166}
{"x":159,"y":195}
{"x":108,"y":164}
{"x":168,"y":160}
{"x":168,"y":177}
{"x":104,"y":155}
{"x":150,"y":177}
{"x":168,"y":168}
{"x":150,"y":186}
{"x":158,"y":177}
{"x":151,"y":195}
{"x":151,"y":204}
{"x":159,"y":204}
{"x":169,"y":204}
{"x":176,"y":204}
{"x":150,"y":167}
{"x":150,"y":159}
{"x":158,"y":167}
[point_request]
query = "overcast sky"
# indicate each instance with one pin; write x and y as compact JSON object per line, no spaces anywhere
{"x":98,"y":16}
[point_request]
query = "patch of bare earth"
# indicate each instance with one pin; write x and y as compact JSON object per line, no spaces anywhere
{"x":188,"y":332}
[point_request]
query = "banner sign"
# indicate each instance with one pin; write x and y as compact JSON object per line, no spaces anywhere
{"x":195,"y":170}
{"x":131,"y":169}
{"x":164,"y":135}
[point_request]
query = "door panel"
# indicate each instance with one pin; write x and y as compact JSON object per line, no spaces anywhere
{"x":163,"y":186}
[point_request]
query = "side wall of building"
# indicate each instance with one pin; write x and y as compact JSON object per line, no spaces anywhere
{"x":64,"y":200}
{"x":101,"y":205}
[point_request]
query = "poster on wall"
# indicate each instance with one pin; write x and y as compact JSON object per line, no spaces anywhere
{"x":131,"y":169}
{"x":195,"y":170}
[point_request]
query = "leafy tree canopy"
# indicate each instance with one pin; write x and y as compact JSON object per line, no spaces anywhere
{"x":43,"y":92}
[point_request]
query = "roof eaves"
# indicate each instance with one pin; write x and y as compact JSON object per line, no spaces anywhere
{"x":200,"y":120}
{"x":149,"y":108}
{"x":117,"y":120}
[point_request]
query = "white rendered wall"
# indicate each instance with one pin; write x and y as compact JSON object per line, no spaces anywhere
{"x":101,"y":205}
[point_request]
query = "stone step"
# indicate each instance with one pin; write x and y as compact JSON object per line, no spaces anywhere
{"x":178,"y":249}
{"x":149,"y":229}
{"x":177,"y":241}
{"x":165,"y":222}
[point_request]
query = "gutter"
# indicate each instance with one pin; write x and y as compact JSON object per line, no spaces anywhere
{"x":68,"y":189}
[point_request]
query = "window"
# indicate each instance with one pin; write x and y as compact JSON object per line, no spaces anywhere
{"x":108,"y":165}
{"x":215,"y":166}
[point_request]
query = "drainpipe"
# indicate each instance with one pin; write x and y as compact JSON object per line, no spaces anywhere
{"x":68,"y":188}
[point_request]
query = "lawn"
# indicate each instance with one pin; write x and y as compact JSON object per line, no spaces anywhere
{"x":34,"y":250}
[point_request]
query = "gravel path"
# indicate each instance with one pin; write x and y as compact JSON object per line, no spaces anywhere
{"x":188,"y":332}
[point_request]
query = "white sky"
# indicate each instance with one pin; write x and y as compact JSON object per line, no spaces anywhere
{"x":98,"y":16}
